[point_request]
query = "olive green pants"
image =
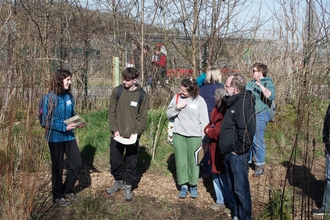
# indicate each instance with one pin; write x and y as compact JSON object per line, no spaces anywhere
{"x":186,"y":169}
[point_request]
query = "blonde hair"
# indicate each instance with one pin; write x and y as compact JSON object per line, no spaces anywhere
{"x":213,"y":75}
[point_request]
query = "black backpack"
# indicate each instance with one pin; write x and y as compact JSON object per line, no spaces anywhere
{"x":272,"y":107}
{"x":120,"y":91}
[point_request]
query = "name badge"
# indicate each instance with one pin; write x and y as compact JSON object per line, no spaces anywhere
{"x":134,"y":104}
{"x":68,"y":102}
{"x":193,"y":106}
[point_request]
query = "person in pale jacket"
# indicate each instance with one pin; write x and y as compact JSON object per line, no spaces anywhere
{"x":190,"y":117}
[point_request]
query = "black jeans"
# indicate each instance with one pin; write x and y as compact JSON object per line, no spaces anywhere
{"x":116,"y":161}
{"x":74,"y":161}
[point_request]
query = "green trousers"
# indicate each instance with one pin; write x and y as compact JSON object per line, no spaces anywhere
{"x":186,"y":169}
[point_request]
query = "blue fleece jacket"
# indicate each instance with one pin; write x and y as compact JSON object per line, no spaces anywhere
{"x":56,"y":109}
{"x":201,"y":79}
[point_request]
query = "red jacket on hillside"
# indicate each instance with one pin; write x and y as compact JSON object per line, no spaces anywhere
{"x":162,"y":60}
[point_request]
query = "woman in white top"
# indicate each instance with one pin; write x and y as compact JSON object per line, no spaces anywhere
{"x":190,"y":117}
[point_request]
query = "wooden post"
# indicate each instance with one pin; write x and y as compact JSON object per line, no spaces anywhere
{"x":115,"y":72}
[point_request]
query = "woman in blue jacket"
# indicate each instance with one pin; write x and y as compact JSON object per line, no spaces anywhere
{"x":57,"y":107}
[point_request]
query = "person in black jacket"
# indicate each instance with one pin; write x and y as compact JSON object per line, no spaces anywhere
{"x":235,"y":142}
{"x":326,"y":196}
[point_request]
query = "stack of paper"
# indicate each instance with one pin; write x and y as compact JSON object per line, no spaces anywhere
{"x":75,"y":120}
{"x":126,"y":141}
{"x":199,"y":154}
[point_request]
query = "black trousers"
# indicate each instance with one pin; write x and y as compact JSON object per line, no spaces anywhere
{"x":116,"y":161}
{"x":74,"y":161}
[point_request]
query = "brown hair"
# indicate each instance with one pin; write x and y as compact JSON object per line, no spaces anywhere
{"x":261,"y":67}
{"x":191,"y":86}
{"x":157,"y":48}
{"x":130,"y":73}
{"x":57,"y":81}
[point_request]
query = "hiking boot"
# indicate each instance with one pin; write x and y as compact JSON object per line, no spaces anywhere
{"x":183,"y":192}
{"x":217,"y":206}
{"x":259,"y":170}
{"x":62,"y":202}
{"x":71,"y":197}
{"x":193,"y":192}
{"x":128,"y":192}
{"x":119,"y":185}
{"x":319,"y":211}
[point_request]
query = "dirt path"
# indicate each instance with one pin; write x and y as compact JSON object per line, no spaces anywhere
{"x":156,"y":196}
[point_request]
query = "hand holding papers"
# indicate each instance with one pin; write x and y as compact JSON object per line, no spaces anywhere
{"x":126,"y":141}
{"x":78,"y":121}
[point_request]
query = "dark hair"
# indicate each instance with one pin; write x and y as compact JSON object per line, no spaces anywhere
{"x":157,"y":48}
{"x":147,"y":48}
{"x":192,"y":87}
{"x":130,"y":73}
{"x":136,"y":43}
{"x":238,"y":82}
{"x":261,"y":67}
{"x":57,"y":81}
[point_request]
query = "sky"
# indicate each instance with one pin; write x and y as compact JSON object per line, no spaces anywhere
{"x":271,"y":12}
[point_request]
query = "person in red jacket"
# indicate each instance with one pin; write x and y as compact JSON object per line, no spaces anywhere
{"x":224,"y":196}
{"x":160,"y":62}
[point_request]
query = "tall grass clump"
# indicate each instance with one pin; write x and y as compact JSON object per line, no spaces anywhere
{"x":22,"y":150}
{"x":91,"y":207}
{"x":278,"y":205}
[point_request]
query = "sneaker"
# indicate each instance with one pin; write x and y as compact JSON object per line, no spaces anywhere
{"x":217,"y":206}
{"x":128,"y":193}
{"x":119,"y":185}
{"x":183,"y":192}
{"x":71,"y":197}
{"x":193,"y":192}
{"x":62,"y":202}
{"x":259,"y":170}
{"x":319,"y":211}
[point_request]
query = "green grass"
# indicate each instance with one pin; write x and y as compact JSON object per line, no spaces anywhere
{"x":280,"y":136}
{"x":94,"y":139}
{"x":95,"y":136}
{"x":91,"y":207}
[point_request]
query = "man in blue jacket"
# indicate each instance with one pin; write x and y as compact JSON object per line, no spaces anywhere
{"x":235,"y":142}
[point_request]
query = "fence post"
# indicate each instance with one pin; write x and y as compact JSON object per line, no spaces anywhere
{"x":115,"y":72}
